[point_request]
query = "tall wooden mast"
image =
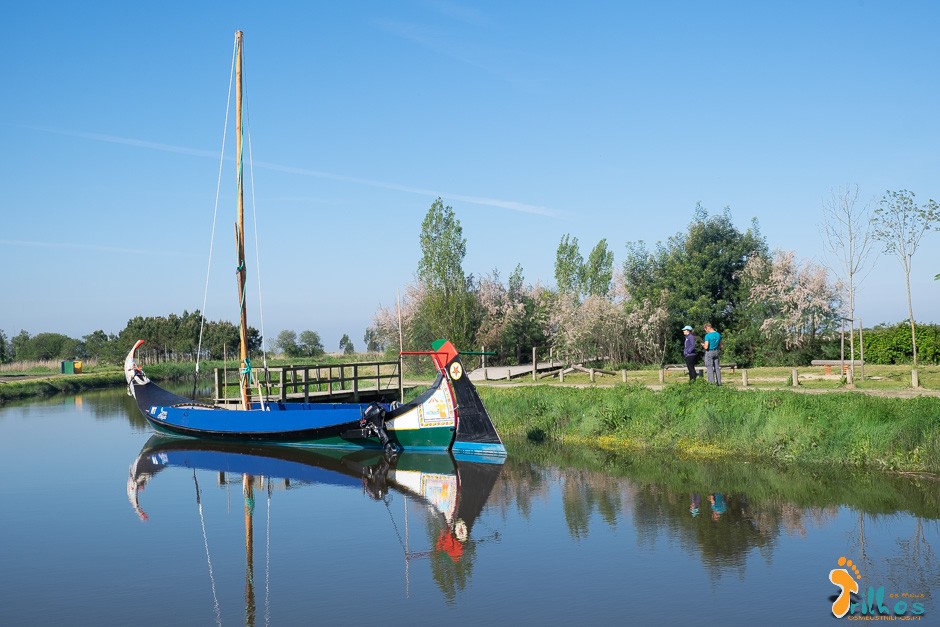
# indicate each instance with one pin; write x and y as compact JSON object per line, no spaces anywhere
{"x":245,"y":380}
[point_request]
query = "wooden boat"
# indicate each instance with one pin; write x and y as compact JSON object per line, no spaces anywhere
{"x":449,"y":415}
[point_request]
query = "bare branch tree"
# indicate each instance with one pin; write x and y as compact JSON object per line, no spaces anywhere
{"x":849,"y":237}
{"x":900,"y":224}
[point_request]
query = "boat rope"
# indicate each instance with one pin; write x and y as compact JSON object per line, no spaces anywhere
{"x":205,"y":542}
{"x":215,"y":211}
{"x":385,"y":500}
{"x":254,"y":218}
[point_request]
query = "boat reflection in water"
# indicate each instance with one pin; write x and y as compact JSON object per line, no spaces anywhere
{"x":455,"y":487}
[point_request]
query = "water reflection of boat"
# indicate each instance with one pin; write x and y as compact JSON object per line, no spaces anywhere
{"x":455,"y":487}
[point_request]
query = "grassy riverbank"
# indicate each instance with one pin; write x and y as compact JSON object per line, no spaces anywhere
{"x":711,"y":422}
{"x":36,"y":384}
{"x":30,"y":387}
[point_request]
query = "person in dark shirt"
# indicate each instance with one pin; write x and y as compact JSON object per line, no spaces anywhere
{"x":688,"y":352}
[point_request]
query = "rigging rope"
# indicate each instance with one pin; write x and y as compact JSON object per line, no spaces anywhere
{"x":254,"y":217}
{"x":385,"y":500}
{"x":205,"y":542}
{"x":215,"y":211}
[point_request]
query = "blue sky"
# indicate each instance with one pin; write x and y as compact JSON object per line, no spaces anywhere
{"x":532,"y":119}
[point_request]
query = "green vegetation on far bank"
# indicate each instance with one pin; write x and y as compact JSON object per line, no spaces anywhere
{"x":711,"y":422}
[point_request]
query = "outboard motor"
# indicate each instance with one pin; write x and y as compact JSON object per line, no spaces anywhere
{"x":373,"y":423}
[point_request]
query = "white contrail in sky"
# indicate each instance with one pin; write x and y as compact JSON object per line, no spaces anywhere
{"x":477,"y":200}
{"x":72,"y":246}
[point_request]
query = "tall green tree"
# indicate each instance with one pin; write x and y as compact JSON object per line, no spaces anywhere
{"x":286,"y":343}
{"x":4,"y":350}
{"x":900,"y":224}
{"x":346,"y":345}
{"x":448,"y":307}
{"x":373,"y":340}
{"x":598,"y":270}
{"x":569,"y":266}
{"x":697,"y":274}
{"x":310,"y":344}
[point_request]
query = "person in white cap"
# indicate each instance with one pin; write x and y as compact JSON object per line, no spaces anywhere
{"x":688,"y":351}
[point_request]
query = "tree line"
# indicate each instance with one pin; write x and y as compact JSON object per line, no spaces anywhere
{"x":169,"y":338}
{"x":771,"y":307}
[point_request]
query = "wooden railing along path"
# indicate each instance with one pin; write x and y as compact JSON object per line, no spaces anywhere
{"x":356,"y":382}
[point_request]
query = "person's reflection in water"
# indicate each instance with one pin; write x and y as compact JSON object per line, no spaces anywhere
{"x":719,"y":507}
{"x":695,"y":504}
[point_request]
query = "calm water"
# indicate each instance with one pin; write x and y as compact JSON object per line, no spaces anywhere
{"x":101,"y":524}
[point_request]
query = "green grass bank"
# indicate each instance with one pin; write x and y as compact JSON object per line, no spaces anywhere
{"x":704,"y":421}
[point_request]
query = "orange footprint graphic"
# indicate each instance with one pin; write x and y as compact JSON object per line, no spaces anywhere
{"x":842,"y":578}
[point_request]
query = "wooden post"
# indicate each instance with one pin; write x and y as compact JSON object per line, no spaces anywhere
{"x":592,"y":375}
{"x":662,"y":375}
{"x":217,"y":383}
{"x":561,"y":374}
{"x":743,"y":377}
{"x":355,"y":383}
{"x":861,"y":347}
{"x":483,"y":358}
{"x":795,"y":378}
{"x":842,"y":347}
{"x":534,"y":365}
{"x":915,"y":380}
{"x":849,"y":377}
{"x":283,"y":383}
{"x":401,"y":378}
{"x":623,"y":375}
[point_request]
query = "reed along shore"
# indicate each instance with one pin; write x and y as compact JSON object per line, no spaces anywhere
{"x":711,"y":422}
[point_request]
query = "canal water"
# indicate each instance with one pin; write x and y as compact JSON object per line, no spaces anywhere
{"x":101,"y":523}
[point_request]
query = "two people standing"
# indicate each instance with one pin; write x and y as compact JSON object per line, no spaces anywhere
{"x":711,"y":344}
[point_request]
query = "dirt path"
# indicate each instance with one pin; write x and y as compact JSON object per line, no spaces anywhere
{"x":909,"y":393}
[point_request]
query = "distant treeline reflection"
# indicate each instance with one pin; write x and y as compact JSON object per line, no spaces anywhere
{"x":755,"y":504}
